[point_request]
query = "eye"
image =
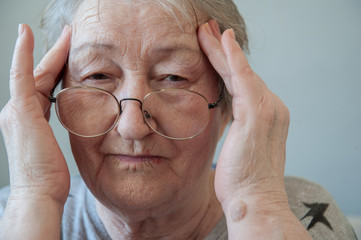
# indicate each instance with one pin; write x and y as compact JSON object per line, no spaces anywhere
{"x":98,"y":76}
{"x":175,"y":78}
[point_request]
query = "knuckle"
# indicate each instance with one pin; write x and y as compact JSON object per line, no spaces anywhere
{"x":245,"y":70}
{"x":41,"y":72}
{"x":286,"y":114}
{"x":269,"y":114}
{"x":283,"y":113}
{"x":7,"y":117}
{"x":41,"y":78}
{"x":273,"y":110}
{"x":15,"y":73}
{"x":2,"y":119}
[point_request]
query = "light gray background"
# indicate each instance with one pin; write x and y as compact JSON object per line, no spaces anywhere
{"x":308,"y":52}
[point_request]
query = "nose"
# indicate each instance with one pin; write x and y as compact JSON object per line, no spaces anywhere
{"x":131,"y":124}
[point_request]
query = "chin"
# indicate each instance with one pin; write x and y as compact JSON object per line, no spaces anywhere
{"x":136,"y":192}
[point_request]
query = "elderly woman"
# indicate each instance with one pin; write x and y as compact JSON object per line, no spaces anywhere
{"x":148,"y":89}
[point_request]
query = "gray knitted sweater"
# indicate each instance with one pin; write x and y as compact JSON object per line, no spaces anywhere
{"x":311,"y":203}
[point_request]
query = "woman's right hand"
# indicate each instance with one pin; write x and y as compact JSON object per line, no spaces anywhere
{"x":38,"y":171}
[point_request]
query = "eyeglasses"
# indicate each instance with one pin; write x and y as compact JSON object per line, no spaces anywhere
{"x":177,"y":114}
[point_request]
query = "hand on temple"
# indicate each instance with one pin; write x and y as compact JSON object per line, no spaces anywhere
{"x":250,"y":170}
{"x":39,"y":177}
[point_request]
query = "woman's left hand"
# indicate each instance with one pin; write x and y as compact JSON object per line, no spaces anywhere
{"x":249,"y":180}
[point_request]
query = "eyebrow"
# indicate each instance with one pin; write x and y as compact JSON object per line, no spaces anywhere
{"x":104,"y":46}
{"x":100,"y":46}
{"x":182,"y":45}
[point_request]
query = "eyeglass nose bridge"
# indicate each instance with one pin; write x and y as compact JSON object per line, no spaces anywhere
{"x":129,"y":99}
{"x":145,"y":112}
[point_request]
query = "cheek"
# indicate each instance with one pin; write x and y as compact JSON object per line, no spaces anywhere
{"x":197,"y":154}
{"x":86,"y":155}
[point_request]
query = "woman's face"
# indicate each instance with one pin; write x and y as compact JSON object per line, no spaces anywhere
{"x":131,"y":49}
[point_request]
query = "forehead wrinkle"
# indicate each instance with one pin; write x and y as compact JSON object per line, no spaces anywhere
{"x":181,"y":43}
{"x":101,"y":47}
{"x":89,"y":51}
{"x":90,"y":56}
{"x":169,"y":41}
{"x":130,"y":36}
{"x":89,"y":13}
{"x":93,"y":53}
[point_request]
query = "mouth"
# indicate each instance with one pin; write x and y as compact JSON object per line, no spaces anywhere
{"x":138,"y":159}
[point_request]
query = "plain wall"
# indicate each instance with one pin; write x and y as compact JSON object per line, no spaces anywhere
{"x":308,"y":52}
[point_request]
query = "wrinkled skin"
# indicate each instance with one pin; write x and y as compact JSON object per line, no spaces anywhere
{"x":141,"y":180}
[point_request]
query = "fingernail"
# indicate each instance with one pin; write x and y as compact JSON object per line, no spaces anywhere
{"x":20,"y":29}
{"x":208,"y":28}
{"x":65,"y":29}
{"x":232,"y":35}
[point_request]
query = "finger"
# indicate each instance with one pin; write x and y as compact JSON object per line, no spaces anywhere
{"x":51,"y":66}
{"x":212,"y":47}
{"x":215,"y":29}
{"x":248,"y":84}
{"x":21,"y":72}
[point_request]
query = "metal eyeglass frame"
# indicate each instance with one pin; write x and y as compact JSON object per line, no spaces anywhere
{"x":215,"y":104}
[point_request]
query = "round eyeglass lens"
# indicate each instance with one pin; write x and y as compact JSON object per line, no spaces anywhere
{"x":87,"y":112}
{"x":176,"y":113}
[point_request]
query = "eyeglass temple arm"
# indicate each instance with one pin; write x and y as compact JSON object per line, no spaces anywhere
{"x":51,"y":96}
{"x":58,"y":80}
{"x":215,"y":104}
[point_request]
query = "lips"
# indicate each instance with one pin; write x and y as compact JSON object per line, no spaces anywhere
{"x":137,"y":158}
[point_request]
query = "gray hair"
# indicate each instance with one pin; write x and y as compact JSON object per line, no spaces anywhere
{"x":61,"y":12}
